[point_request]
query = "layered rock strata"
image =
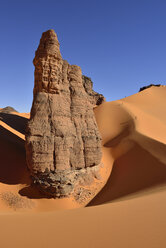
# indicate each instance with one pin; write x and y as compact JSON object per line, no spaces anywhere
{"x":63,"y":144}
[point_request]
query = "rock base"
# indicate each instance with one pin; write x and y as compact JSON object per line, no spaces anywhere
{"x":63,"y":183}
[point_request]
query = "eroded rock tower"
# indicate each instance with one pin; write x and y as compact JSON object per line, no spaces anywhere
{"x":63,"y":144}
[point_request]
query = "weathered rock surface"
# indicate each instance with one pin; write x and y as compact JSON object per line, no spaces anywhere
{"x":63,"y":144}
{"x":7,"y":110}
{"x":94,"y":97}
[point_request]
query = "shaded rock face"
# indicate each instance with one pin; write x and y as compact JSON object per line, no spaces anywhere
{"x":63,"y":144}
{"x":94,"y":97}
{"x":148,"y":86}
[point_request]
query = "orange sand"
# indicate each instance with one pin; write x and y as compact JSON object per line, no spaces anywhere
{"x":134,"y":183}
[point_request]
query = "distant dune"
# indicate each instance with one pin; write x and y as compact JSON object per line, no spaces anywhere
{"x":128,"y":207}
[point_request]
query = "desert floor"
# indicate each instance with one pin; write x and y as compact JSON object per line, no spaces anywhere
{"x":128,"y":207}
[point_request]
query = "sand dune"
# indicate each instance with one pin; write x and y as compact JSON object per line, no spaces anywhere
{"x":129,"y":207}
{"x":139,"y":160}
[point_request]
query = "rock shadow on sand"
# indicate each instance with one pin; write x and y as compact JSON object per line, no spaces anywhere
{"x":32,"y":192}
{"x":16,"y":122}
{"x":13,"y":168}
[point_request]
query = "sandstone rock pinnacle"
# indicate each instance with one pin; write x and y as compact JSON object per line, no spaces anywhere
{"x":63,"y":144}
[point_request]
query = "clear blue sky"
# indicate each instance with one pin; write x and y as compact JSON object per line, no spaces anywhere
{"x":120,"y":44}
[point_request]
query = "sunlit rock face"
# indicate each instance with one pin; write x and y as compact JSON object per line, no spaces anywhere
{"x":63,"y":144}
